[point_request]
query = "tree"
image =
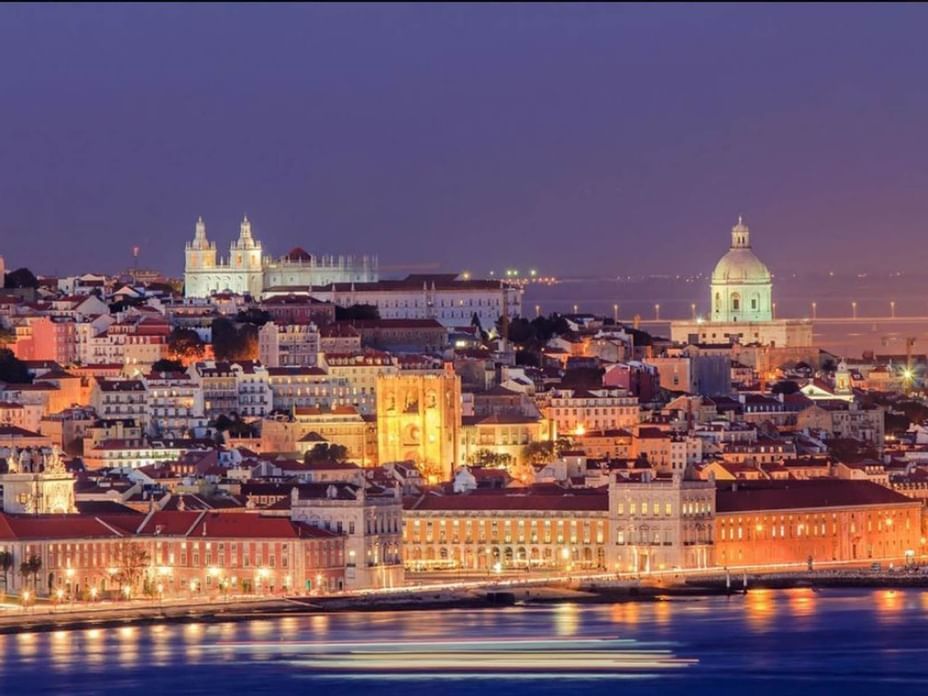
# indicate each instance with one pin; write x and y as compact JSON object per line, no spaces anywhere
{"x":538,"y":452}
{"x":133,"y":562}
{"x":490,"y":459}
{"x":784,"y":387}
{"x":31,"y":566}
{"x":234,"y":342}
{"x":326,"y":453}
{"x":522,"y":331}
{"x":165,"y":365}
{"x":186,"y":344}
{"x":20,"y":278}
{"x":360,"y":312}
{"x":6,"y":565}
{"x":253,"y":315}
{"x":12,"y":369}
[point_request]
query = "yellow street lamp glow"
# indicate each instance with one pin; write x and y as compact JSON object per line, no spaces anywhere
{"x":69,"y":572}
{"x":93,"y":592}
{"x":59,"y":593}
{"x":213,"y":571}
{"x":193,"y":585}
{"x":26,"y":595}
{"x":565,"y":553}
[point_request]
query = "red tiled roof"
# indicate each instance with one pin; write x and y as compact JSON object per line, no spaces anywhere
{"x":53,"y":527}
{"x":235,"y":525}
{"x":797,"y":495}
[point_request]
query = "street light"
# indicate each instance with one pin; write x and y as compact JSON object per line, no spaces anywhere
{"x":892,"y":309}
{"x":814,"y":305}
{"x":854,"y":309}
{"x":657,"y":312}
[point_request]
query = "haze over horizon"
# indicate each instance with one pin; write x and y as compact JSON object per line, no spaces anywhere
{"x":612,"y":139}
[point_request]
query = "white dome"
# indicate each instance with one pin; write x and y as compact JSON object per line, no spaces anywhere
{"x":740,"y":266}
{"x":741,"y":287}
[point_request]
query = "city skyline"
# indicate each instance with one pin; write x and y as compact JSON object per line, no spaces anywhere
{"x":445,"y":137}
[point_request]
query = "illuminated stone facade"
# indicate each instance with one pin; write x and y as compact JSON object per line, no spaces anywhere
{"x":247,"y":270}
{"x":741,"y":307}
{"x":419,"y":420}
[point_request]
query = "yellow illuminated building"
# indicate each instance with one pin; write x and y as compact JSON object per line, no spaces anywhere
{"x":419,"y":420}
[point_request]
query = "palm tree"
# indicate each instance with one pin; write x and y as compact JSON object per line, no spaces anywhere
{"x":6,"y":565}
{"x":31,"y":566}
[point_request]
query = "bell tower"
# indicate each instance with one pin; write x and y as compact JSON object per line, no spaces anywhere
{"x":200,"y":259}
{"x":246,"y":258}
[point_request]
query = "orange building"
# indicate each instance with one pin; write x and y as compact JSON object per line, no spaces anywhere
{"x":769,"y":522}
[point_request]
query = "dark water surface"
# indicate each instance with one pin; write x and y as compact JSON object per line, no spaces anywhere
{"x":769,"y":642}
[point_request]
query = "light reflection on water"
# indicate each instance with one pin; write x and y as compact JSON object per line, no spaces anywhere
{"x":792,"y":640}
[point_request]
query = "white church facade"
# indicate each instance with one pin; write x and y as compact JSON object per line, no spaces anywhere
{"x":741,"y":304}
{"x":248,"y":270}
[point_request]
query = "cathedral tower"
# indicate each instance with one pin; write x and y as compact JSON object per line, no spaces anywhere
{"x":200,"y":259}
{"x":245,"y":257}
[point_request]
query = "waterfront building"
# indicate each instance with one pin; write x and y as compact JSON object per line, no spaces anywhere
{"x":542,"y":526}
{"x":765,"y":522}
{"x":741,"y":304}
{"x":248,"y":271}
{"x":661,"y":523}
{"x":371,"y":520}
{"x":171,"y":554}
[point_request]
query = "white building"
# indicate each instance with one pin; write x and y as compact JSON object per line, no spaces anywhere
{"x":451,"y":300}
{"x":174,"y":404}
{"x":247,"y":270}
{"x":288,"y":345}
{"x":741,"y":304}
{"x":661,"y":524}
{"x":239,"y":387}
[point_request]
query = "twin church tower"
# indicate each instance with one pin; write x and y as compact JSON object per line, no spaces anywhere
{"x":248,"y":271}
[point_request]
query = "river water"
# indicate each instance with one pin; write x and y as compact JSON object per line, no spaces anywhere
{"x":768,"y":642}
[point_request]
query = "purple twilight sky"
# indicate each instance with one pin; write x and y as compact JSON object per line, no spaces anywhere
{"x":593,"y":140}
